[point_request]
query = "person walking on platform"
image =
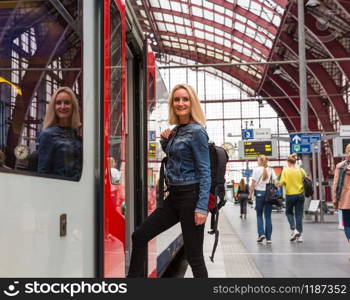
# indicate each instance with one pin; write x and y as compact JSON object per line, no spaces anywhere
{"x":341,"y":190}
{"x":242,"y":195}
{"x":261,"y":176}
{"x":189,"y":180}
{"x":292,"y":180}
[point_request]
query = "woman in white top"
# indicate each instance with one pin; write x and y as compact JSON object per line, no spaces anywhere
{"x":261,"y":176}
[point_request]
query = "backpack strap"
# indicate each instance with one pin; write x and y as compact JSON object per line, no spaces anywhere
{"x":215,"y":229}
{"x":161,"y":182}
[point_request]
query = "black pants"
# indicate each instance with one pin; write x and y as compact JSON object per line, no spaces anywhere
{"x":243,"y":204}
{"x":178,"y":207}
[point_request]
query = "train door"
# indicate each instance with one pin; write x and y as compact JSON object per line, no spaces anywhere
{"x":114,"y":139}
{"x":137,"y":136}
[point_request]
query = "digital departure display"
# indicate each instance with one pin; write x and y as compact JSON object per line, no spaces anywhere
{"x":256,"y":148}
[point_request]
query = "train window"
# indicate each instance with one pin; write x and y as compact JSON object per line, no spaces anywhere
{"x":41,"y":51}
{"x":115,"y":95}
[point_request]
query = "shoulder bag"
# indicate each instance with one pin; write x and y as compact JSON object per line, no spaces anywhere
{"x":271,"y":196}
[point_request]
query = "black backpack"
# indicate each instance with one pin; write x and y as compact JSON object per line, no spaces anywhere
{"x":218,"y":161}
{"x":308,"y":186}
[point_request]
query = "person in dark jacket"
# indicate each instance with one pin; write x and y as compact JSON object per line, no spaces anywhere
{"x":242,"y":195}
{"x":188,"y":176}
{"x":60,"y":146}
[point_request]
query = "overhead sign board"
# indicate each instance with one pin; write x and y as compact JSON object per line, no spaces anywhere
{"x":152,"y":135}
{"x":301,"y":143}
{"x":152,"y":150}
{"x":339,"y":145}
{"x":262,"y":133}
{"x":344,"y":130}
{"x":247,"y":134}
{"x":252,"y":149}
{"x":256,"y":134}
{"x":256,"y":148}
{"x":247,"y":173}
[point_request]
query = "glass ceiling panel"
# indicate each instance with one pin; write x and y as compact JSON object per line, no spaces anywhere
{"x":208,"y":15}
{"x":209,"y":37}
{"x":178,"y":20}
{"x":199,"y":34}
{"x":227,"y":43}
{"x":176,"y":6}
{"x":154,"y":3}
{"x":158,"y":16}
{"x":161,"y":26}
{"x":241,"y":18}
{"x":198,"y":2}
{"x":168,"y":18}
{"x":180,"y":29}
{"x":165,"y":4}
{"x":228,"y":22}
{"x":219,"y":8}
{"x":199,"y":25}
{"x":209,"y":28}
{"x":197,"y":12}
{"x":184,"y":8}
{"x":170,"y":27}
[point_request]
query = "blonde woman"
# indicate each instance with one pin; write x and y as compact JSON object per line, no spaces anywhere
{"x":60,"y":146}
{"x":188,"y":177}
{"x":292,"y":180}
{"x":261,"y":176}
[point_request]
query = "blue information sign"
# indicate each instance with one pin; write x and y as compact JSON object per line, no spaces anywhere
{"x":300,"y":143}
{"x":152,"y":135}
{"x":247,"y":173}
{"x":248,"y":134}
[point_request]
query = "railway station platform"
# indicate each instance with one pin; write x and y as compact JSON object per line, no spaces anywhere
{"x":324,"y":253}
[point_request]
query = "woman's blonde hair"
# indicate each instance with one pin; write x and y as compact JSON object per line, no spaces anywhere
{"x":197,"y":113}
{"x":51,"y":117}
{"x":292,"y":158}
{"x":242,"y":185}
{"x":263,"y":162}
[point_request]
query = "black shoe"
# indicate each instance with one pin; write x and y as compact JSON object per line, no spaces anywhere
{"x":260,"y":238}
{"x":211,"y":231}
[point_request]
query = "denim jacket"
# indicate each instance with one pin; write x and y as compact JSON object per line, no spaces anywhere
{"x":60,"y":152}
{"x":188,"y":160}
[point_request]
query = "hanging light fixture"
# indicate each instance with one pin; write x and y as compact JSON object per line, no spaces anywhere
{"x":312,"y":3}
{"x":277,"y":71}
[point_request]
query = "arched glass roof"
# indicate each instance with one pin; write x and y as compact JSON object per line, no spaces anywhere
{"x":214,"y":31}
{"x":249,"y":31}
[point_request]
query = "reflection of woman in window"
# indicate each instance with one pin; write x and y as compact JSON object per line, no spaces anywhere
{"x":60,"y":147}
